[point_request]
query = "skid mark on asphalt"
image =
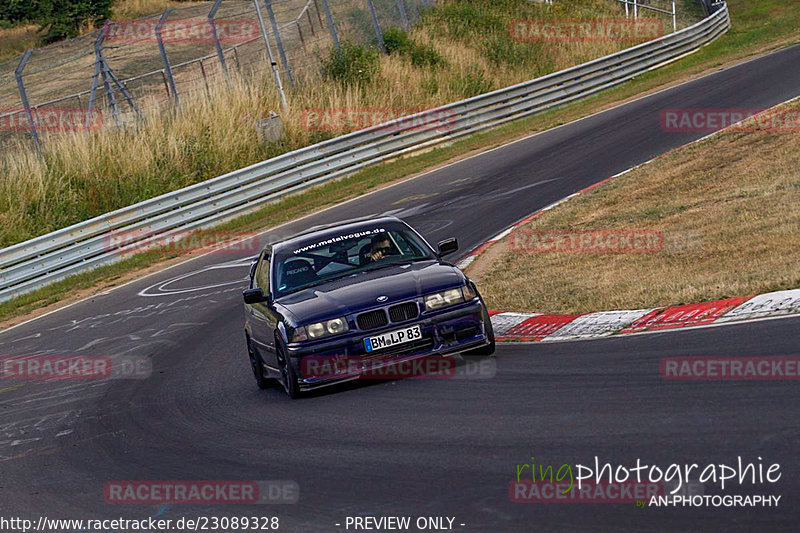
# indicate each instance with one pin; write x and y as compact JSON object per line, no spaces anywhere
{"x":162,"y":288}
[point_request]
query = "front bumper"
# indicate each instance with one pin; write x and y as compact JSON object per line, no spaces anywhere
{"x":444,"y":333}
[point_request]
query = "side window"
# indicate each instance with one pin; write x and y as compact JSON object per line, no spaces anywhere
{"x":262,"y":274}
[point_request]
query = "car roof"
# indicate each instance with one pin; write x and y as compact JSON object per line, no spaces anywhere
{"x":323,"y":230}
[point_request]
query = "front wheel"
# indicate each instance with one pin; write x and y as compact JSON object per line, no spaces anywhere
{"x":488,"y":349}
{"x":257,"y":365}
{"x":289,"y":378}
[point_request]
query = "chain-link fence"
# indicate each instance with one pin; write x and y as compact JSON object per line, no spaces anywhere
{"x":114,"y":75}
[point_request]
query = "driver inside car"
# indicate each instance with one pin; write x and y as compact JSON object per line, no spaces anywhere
{"x":379,"y":248}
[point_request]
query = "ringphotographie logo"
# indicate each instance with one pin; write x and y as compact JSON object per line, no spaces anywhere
{"x":610,"y":241}
{"x":69,"y":367}
{"x":56,"y":119}
{"x":582,"y":30}
{"x":228,"y":31}
{"x":202,"y":492}
{"x":388,"y":118}
{"x":129,"y":242}
{"x":643,"y":483}
{"x":709,"y":120}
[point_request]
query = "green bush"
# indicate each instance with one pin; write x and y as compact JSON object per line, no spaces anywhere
{"x":398,"y":41}
{"x":472,"y":83}
{"x":60,"y":18}
{"x":351,"y":64}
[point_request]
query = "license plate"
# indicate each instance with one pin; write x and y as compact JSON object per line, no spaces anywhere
{"x":393,"y":338}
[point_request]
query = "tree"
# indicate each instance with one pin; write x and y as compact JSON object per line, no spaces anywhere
{"x":59,"y":18}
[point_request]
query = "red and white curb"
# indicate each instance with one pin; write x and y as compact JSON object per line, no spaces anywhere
{"x":557,"y":327}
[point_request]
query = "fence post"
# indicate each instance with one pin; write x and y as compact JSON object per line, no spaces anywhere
{"x":403,"y":16}
{"x":95,"y":76}
{"x":167,"y":68}
{"x":23,"y":95}
{"x":105,"y":75}
{"x":331,"y":25}
{"x":311,"y":22}
{"x":279,"y":41}
{"x":674,"y":17}
{"x":122,"y":88}
{"x":635,"y":10}
{"x":377,"y":26}
{"x":319,"y":15}
{"x":217,"y":45}
{"x":300,"y":34}
{"x":272,"y":62}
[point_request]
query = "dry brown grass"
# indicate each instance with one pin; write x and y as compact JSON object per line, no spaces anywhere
{"x":729,"y":210}
{"x":131,"y":9}
{"x":84,"y":175}
{"x":14,"y":41}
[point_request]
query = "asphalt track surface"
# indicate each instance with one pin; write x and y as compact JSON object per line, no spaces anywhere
{"x":410,"y":447}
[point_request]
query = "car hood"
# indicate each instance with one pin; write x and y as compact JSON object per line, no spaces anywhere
{"x":359,"y":292}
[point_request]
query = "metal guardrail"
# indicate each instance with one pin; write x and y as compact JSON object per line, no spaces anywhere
{"x":35,"y":263}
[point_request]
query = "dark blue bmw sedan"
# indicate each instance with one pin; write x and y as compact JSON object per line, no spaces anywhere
{"x":331,"y":304}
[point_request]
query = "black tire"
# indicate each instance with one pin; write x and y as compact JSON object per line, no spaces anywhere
{"x":288,"y":376}
{"x":488,"y":349}
{"x":257,"y":365}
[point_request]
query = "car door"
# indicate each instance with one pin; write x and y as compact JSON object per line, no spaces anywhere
{"x":263,"y":317}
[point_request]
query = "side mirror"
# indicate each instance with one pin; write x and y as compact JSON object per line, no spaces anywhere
{"x":448,"y":246}
{"x":254,"y":296}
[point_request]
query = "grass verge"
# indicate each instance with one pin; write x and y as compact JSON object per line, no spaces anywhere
{"x":758,"y":28}
{"x":457,"y":50}
{"x":726,"y":210}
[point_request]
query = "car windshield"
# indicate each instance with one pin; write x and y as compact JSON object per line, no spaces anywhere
{"x":341,"y":254}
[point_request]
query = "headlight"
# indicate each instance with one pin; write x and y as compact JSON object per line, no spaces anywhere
{"x":469,"y":292}
{"x":319,"y":330}
{"x":443,"y":299}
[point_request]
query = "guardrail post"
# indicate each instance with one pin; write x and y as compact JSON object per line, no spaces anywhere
{"x":164,"y":58}
{"x":331,"y":24}
{"x":23,"y":95}
{"x":277,"y":32}
{"x":403,"y":16}
{"x":377,"y":26}
{"x":273,"y":63}
{"x":635,"y":9}
{"x":215,"y":37}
